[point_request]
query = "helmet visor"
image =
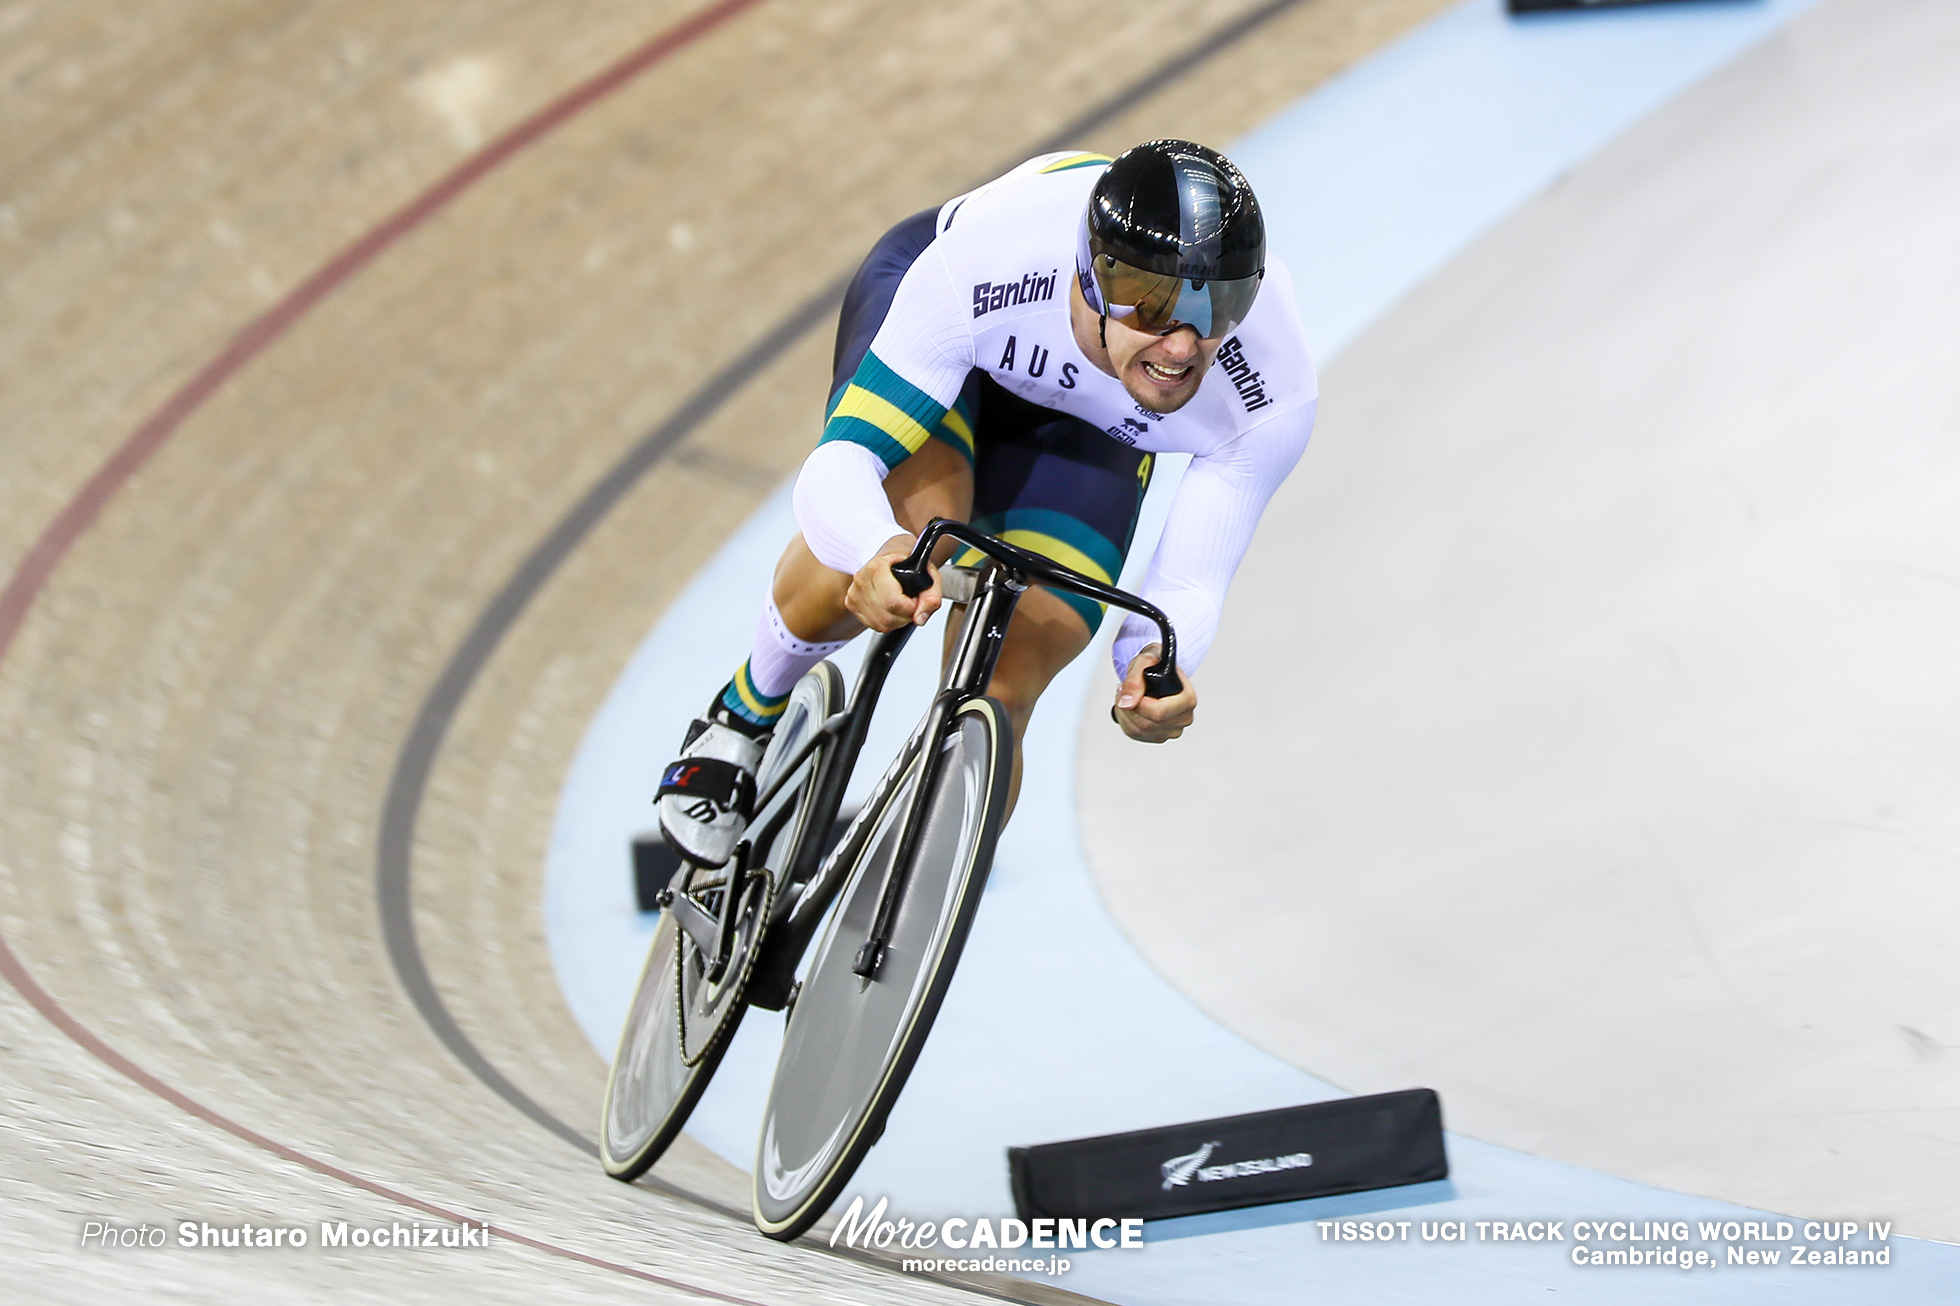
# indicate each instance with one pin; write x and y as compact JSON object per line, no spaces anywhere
{"x":1160,"y":303}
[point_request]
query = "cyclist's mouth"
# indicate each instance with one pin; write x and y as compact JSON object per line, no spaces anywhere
{"x":1168,"y":377}
{"x":1163,"y":387}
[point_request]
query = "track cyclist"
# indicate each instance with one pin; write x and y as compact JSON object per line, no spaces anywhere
{"x":1017,"y":358}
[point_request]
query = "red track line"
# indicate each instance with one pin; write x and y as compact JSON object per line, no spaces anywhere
{"x":32,"y":574}
{"x":57,"y":1015}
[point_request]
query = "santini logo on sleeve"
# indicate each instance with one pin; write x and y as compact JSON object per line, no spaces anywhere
{"x":1250,"y":385}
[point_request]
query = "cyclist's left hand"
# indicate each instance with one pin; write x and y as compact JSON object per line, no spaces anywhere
{"x":1153,"y":720}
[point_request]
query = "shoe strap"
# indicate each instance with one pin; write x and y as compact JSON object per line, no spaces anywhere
{"x":723,"y":783}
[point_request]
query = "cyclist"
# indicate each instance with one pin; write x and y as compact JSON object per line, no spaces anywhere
{"x":1017,"y":358}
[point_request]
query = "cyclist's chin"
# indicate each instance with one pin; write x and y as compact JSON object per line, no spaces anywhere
{"x":1153,"y":395}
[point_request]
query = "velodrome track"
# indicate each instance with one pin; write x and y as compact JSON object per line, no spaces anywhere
{"x":212,"y":698}
{"x":1408,"y":170}
{"x":319,"y":318}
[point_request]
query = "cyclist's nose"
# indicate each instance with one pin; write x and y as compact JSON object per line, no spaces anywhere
{"x":1180,"y":346}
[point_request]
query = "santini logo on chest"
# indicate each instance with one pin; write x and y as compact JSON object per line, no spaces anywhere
{"x":1032,"y":288}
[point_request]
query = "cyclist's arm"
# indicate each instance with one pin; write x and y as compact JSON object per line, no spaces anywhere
{"x":841,"y":506}
{"x":1210,"y":526}
{"x":899,"y":394}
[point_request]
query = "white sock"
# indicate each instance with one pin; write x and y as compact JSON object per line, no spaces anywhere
{"x":779,"y":659}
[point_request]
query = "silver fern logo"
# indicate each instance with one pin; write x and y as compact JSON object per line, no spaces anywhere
{"x":1179,"y":1169}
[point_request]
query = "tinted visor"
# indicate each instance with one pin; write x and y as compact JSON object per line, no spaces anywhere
{"x":1159,"y":303}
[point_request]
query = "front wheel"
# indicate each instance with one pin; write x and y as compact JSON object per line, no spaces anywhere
{"x":851,"y":1042}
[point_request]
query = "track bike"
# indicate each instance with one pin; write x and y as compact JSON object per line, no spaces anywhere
{"x":905,"y":876}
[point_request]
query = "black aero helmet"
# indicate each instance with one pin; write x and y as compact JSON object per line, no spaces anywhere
{"x":1173,"y":237}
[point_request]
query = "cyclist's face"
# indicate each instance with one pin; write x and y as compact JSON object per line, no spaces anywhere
{"x":1160,"y":372}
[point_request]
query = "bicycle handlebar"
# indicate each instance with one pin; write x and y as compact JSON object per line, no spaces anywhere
{"x":915,"y":578}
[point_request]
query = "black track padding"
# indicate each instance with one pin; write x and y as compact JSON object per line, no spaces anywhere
{"x":1344,"y":1146}
{"x":654,"y":864}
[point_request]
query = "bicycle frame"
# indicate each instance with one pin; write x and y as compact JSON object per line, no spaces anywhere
{"x":841,"y":737}
{"x":998,"y":585}
{"x":844,"y":733}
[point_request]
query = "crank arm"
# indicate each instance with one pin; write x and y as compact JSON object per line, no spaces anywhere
{"x":731,"y":908}
{"x":713,"y":935}
{"x":697,"y":924}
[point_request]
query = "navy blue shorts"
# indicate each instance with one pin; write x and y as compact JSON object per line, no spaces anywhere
{"x":1051,"y":483}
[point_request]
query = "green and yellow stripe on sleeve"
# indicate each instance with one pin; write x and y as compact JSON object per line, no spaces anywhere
{"x":884,"y":412}
{"x":956,"y":428}
{"x":1069,"y":161}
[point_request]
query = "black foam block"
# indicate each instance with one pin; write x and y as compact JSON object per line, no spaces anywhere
{"x":1317,"y":1150}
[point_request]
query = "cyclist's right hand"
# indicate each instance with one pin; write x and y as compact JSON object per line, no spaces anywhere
{"x":876,"y":598}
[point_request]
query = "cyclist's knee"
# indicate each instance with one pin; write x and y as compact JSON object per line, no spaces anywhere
{"x":1045,"y":637}
{"x":1017,"y":696}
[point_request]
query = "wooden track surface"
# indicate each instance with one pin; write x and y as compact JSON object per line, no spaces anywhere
{"x":204,"y":705}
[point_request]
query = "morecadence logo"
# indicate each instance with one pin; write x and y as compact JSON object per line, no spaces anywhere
{"x":862,"y":1230}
